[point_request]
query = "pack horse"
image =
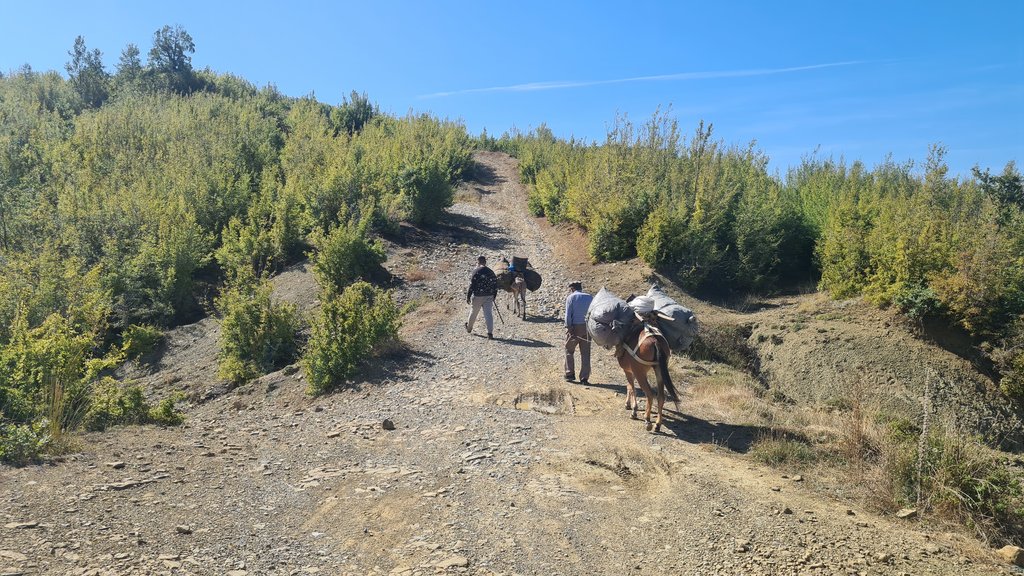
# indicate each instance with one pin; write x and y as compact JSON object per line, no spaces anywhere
{"x":517,"y":278}
{"x":644,"y":331}
{"x":641,"y":352}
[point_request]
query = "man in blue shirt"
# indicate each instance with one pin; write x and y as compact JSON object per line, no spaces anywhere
{"x":576,"y":305}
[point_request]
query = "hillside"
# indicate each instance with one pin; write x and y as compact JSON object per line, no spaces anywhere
{"x":495,"y":465}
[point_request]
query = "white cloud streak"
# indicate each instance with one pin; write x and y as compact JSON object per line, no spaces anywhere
{"x":559,"y":85}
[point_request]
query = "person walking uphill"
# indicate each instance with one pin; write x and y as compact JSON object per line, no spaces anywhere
{"x":576,"y":305}
{"x":483,"y":287}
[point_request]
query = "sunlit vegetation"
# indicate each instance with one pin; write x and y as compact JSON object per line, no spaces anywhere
{"x":711,"y":216}
{"x":139,"y":199}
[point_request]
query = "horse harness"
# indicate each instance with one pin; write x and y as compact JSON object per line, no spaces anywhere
{"x":648,"y":332}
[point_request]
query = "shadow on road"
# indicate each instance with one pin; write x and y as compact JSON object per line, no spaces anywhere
{"x":543,"y":319}
{"x":611,"y":387}
{"x":396,"y":366}
{"x":526,"y":342}
{"x":735,"y":437}
{"x":484,"y":174}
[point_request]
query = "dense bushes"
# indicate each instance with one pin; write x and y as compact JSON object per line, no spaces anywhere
{"x":932,"y":246}
{"x":115,"y":403}
{"x":714,"y":219}
{"x":129,"y":201}
{"x":708,"y":215}
{"x":403,"y":169}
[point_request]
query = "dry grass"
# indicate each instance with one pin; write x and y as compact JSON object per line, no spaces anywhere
{"x":467,"y":193}
{"x":419,"y":275}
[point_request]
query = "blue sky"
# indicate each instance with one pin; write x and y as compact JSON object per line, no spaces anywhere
{"x":852,"y":80}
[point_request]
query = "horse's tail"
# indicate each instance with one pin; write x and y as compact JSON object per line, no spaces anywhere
{"x":663,"y":375}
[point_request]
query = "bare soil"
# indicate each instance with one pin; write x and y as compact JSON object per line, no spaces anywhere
{"x":494,"y":465}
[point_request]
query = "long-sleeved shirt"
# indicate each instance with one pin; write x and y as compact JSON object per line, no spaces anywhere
{"x":482,"y":283}
{"x":576,"y":305}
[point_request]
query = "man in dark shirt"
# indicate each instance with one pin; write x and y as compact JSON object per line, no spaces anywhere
{"x":576,"y":305}
{"x":483,"y":287}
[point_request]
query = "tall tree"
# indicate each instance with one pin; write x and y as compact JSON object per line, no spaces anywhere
{"x":170,"y":60}
{"x":129,"y":69}
{"x":1006,"y":190}
{"x":87,"y":75}
{"x":353,"y":114}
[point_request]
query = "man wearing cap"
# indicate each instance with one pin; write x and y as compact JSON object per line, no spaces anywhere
{"x":483,"y":287}
{"x":576,"y":305}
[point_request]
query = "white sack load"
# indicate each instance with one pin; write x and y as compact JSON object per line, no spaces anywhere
{"x":609,"y":319}
{"x":682,"y":329}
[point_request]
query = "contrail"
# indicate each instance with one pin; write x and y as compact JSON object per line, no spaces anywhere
{"x":558,"y":85}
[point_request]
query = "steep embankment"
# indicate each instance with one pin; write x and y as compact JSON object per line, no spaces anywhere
{"x":494,"y":466}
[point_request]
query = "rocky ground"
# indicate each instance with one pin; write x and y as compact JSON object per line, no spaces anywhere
{"x":456,"y":455}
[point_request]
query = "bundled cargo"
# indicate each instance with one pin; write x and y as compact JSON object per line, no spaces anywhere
{"x":533,"y":279}
{"x":677,"y":323}
{"x":610,"y":319}
{"x":505,"y":280}
{"x":521,"y":266}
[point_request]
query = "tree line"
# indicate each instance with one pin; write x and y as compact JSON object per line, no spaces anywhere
{"x":938,"y":248}
{"x":142,"y":199}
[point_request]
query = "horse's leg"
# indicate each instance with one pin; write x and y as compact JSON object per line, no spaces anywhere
{"x":631,"y":403}
{"x":519,"y":294}
{"x":660,"y":385}
{"x":641,"y":378}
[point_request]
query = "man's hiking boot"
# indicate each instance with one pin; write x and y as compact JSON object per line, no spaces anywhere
{"x":570,"y":378}
{"x":466,"y":326}
{"x":490,"y":336}
{"x":584,"y":381}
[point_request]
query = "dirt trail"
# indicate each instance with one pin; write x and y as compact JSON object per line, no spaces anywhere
{"x":495,"y":465}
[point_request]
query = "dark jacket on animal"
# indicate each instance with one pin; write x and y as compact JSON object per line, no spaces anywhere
{"x":483,"y":283}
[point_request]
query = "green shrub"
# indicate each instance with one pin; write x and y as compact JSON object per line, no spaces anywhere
{"x":113,"y":403}
{"x":166,"y":413}
{"x":257,"y":334}
{"x":44,"y":370}
{"x":776,"y":451}
{"x":246,"y":248}
{"x":773,"y":244}
{"x":917,"y":302}
{"x":345,"y":255}
{"x":1011,"y":366}
{"x":426,"y":192}
{"x":348,"y":330}
{"x":547,"y":196}
{"x":22,"y":443}
{"x":613,"y":231}
{"x":140,"y":339}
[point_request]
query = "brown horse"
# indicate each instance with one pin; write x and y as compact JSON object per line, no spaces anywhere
{"x":637,"y":355}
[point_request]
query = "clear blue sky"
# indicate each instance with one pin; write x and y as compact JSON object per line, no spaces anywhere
{"x":857,"y":80}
